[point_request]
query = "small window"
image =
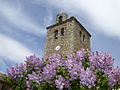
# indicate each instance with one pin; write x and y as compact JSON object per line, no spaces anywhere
{"x":60,"y":19}
{"x":80,"y":34}
{"x":62,"y":32}
{"x":56,"y":34}
{"x":83,"y":38}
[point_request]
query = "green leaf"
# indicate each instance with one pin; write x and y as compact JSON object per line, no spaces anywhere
{"x":65,"y":57}
{"x":86,"y":64}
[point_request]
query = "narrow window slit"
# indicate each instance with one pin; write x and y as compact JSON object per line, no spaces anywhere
{"x":83,"y":38}
{"x":56,"y":34}
{"x":62,"y":32}
{"x":80,"y":34}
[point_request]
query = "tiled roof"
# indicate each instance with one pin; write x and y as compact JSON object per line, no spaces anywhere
{"x":1,"y":74}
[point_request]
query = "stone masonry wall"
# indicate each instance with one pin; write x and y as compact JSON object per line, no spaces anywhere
{"x":70,"y":42}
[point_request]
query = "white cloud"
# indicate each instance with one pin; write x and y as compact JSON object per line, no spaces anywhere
{"x":48,"y":18}
{"x":103,"y":14}
{"x":17,"y":17}
{"x":13,"y":50}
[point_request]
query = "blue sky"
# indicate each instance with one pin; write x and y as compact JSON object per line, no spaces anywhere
{"x":23,"y":26}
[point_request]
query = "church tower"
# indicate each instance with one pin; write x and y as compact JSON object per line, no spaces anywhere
{"x":67,"y":35}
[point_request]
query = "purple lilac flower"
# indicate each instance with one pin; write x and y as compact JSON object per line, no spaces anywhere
{"x":27,"y":89}
{"x":80,"y":54}
{"x":74,"y":67}
{"x":35,"y":77}
{"x":49,"y":71}
{"x":87,"y":78}
{"x":101,"y":61}
{"x":56,"y":59}
{"x":16,"y":71}
{"x":28,"y":84}
{"x":67,"y":83}
{"x":60,"y":82}
{"x":114,"y":77}
{"x":35,"y":62}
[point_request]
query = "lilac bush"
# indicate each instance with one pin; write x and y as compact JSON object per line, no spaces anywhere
{"x":83,"y":70}
{"x":101,"y":61}
{"x":114,"y":77}
{"x":16,"y":71}
{"x":87,"y":78}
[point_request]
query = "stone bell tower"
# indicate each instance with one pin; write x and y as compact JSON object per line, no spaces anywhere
{"x":67,"y":35}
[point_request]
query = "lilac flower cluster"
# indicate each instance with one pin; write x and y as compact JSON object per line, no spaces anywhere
{"x":114,"y":77}
{"x":49,"y":72}
{"x":16,"y":71}
{"x":60,"y":82}
{"x":34,"y":62}
{"x":61,"y":70}
{"x":34,"y":77}
{"x":87,"y":78}
{"x":101,"y":61}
